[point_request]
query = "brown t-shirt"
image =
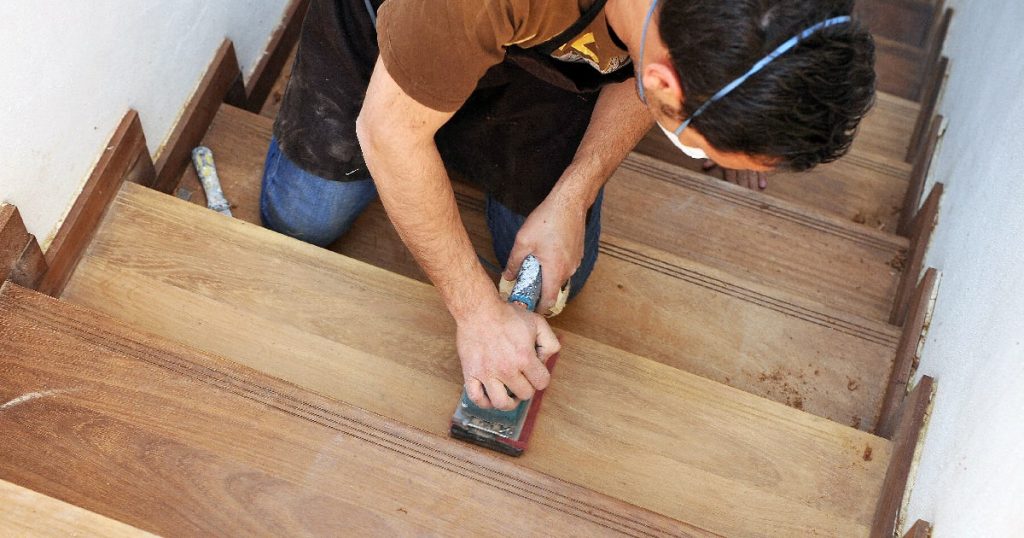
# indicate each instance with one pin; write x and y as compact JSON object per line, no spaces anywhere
{"x":437,"y":50}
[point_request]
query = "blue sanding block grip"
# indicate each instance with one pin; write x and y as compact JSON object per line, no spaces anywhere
{"x":528,"y":284}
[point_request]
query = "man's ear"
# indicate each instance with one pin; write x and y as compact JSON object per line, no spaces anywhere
{"x":663,"y":86}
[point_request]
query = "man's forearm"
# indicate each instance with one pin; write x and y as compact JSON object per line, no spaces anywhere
{"x":418,"y":197}
{"x":396,"y":135}
{"x":618,"y":123}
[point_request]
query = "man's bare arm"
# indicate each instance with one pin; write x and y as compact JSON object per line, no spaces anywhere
{"x":496,"y":342}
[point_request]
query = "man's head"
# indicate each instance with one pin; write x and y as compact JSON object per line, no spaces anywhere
{"x":800,"y":110}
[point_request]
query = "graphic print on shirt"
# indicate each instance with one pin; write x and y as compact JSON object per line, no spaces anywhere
{"x":595,"y":47}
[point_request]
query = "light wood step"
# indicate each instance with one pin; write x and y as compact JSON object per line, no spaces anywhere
{"x":643,"y":300}
{"x":182,"y":443}
{"x":756,"y":237}
{"x":24,"y":512}
{"x":645,"y":433}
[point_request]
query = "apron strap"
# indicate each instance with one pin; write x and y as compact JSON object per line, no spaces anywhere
{"x":549,"y":47}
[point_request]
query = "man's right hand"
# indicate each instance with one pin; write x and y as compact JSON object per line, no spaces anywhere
{"x":504,"y":345}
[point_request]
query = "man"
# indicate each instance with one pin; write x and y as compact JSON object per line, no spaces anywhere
{"x":536,"y":101}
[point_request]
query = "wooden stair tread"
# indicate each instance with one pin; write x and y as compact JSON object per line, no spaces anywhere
{"x":757,"y":237}
{"x":900,"y":67}
{"x":859,"y":190}
{"x":651,"y":435}
{"x":887,"y":129}
{"x":24,"y":512}
{"x":668,"y":309}
{"x":181,"y":443}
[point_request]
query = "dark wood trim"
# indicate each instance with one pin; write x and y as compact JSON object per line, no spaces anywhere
{"x":913,"y":416}
{"x":269,"y":68}
{"x":125,"y":157}
{"x":921,"y":529}
{"x":929,"y":103}
{"x":920,"y":237}
{"x":13,"y":238}
{"x":28,"y":271}
{"x":918,"y":178}
{"x":905,"y":365}
{"x":937,"y":40}
{"x":221,"y":83}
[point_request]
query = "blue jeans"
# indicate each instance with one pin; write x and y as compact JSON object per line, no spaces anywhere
{"x":319,"y":211}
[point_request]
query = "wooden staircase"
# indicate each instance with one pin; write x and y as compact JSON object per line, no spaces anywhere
{"x":738,"y":359}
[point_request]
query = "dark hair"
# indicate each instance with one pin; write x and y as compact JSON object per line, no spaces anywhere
{"x":804,"y":107}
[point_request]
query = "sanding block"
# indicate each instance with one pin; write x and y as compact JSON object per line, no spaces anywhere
{"x":505,"y":431}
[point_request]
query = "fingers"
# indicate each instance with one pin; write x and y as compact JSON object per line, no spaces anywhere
{"x":497,"y":395}
{"x":547,"y":343}
{"x":549,"y":295}
{"x":519,"y":386}
{"x":475,"y":391}
{"x":747,"y":179}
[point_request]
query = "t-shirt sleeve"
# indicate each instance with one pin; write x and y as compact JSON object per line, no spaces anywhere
{"x":437,"y":50}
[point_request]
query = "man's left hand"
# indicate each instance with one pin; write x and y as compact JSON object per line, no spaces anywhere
{"x":554,"y":234}
{"x":757,"y":181}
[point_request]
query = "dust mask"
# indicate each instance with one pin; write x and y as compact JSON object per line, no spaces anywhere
{"x":693,"y":153}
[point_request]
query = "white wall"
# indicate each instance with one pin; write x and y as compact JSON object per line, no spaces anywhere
{"x":69,"y":70}
{"x":971,"y":478}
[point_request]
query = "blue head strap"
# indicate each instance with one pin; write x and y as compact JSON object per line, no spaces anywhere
{"x":782,"y":49}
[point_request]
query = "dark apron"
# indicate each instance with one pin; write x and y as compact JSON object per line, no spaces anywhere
{"x":514,"y":136}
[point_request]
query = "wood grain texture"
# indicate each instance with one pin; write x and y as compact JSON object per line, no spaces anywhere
{"x":754,"y":236}
{"x":125,"y":157}
{"x":613,"y":422}
{"x":921,"y":529}
{"x":900,"y":68}
{"x":906,"y":21}
{"x":24,"y":512}
{"x":920,"y":238}
{"x":906,"y":446}
{"x":887,"y":130}
{"x":177,"y":442}
{"x":221,"y":82}
{"x":13,"y":239}
{"x":908,"y":353}
{"x":272,"y":63}
{"x":641,"y":299}
{"x":919,"y":177}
